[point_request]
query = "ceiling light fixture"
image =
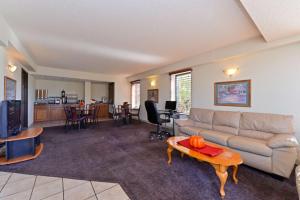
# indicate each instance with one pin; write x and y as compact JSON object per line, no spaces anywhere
{"x":152,"y":83}
{"x":231,"y":71}
{"x":12,"y":68}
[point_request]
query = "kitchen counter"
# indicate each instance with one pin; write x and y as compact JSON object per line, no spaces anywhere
{"x":49,"y":112}
{"x":55,"y":112}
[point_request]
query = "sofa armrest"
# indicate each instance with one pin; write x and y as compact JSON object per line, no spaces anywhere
{"x":282,"y":140}
{"x":184,"y":122}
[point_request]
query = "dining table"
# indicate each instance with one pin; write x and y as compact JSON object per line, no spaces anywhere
{"x":82,"y":111}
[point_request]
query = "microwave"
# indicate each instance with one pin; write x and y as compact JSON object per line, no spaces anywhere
{"x":54,"y":100}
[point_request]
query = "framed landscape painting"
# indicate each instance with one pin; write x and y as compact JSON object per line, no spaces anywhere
{"x":153,"y":95}
{"x":233,"y":93}
{"x":9,"y":88}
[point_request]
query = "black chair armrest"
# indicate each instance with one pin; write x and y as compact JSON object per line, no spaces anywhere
{"x":165,"y":114}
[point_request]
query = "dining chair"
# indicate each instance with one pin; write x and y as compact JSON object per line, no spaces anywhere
{"x":88,"y":107}
{"x":117,"y":113}
{"x":94,"y":113}
{"x":125,"y":110}
{"x":135,"y":113}
{"x":89,"y":113}
{"x":97,"y":113}
{"x":67,"y":110}
{"x":77,"y":117}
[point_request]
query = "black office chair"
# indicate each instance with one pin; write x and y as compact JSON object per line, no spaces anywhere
{"x":154,"y":118}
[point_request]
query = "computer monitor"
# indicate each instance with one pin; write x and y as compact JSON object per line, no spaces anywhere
{"x":170,"y":105}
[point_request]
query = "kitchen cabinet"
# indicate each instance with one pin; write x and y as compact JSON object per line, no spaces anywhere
{"x":104,"y":109}
{"x":55,"y":112}
{"x":41,"y":113}
{"x":49,"y":112}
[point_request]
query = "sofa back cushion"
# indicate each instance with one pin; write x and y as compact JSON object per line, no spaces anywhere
{"x":264,"y":126}
{"x":226,"y":121}
{"x":202,"y":117}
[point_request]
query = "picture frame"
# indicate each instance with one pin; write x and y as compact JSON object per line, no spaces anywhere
{"x":153,"y":95}
{"x":233,"y":93}
{"x":9,"y":88}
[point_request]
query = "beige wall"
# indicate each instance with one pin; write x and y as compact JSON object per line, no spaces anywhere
{"x":16,"y":76}
{"x":7,"y":37}
{"x":162,"y":83}
{"x":87,"y":92}
{"x":31,"y":97}
{"x":99,"y":90}
{"x":3,"y":63}
{"x":55,"y":87}
{"x":122,"y":86}
{"x":4,"y":60}
{"x":274,"y":75}
{"x":275,"y":82}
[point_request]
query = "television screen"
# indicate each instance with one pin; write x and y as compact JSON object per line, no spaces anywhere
{"x":10,"y":122}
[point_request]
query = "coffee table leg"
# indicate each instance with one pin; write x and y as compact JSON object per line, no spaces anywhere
{"x":169,"y":151}
{"x":235,"y":169}
{"x":221,"y":172}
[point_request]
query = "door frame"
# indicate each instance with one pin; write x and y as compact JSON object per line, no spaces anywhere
{"x":24,"y":98}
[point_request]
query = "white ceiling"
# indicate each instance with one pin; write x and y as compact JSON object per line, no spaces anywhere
{"x":276,"y":19}
{"x":124,"y":36}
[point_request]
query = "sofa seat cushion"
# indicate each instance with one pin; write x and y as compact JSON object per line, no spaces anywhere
{"x":190,"y":130}
{"x":250,"y":145}
{"x":215,"y":136}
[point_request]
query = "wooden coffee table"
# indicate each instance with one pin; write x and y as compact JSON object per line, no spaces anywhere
{"x":220,"y":162}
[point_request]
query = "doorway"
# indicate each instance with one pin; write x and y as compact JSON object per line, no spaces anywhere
{"x":111,"y":97}
{"x":24,"y":99}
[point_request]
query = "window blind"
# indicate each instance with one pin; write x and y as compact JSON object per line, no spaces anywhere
{"x":135,"y":94}
{"x":183,"y":91}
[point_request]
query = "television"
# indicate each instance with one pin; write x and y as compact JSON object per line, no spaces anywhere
{"x":170,"y":105}
{"x":10,"y":118}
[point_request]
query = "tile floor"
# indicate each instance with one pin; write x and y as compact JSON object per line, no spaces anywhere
{"x":16,"y":186}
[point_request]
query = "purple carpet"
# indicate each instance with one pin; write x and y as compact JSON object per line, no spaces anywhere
{"x":126,"y":156}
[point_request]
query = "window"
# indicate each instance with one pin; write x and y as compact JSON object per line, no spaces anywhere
{"x":181,"y":90}
{"x":135,"y":94}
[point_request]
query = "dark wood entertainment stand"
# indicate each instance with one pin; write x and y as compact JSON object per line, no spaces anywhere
{"x":24,"y":146}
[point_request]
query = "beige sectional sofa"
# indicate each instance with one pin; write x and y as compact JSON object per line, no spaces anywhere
{"x":265,"y":141}
{"x":297,"y":175}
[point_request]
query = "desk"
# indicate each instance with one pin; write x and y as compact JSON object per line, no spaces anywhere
{"x":173,"y":115}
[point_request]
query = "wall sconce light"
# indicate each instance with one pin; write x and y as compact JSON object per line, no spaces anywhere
{"x":12,"y":68}
{"x":231,"y":71}
{"x":152,"y":83}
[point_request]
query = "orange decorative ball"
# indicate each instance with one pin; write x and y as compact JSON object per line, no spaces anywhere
{"x":197,"y":141}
